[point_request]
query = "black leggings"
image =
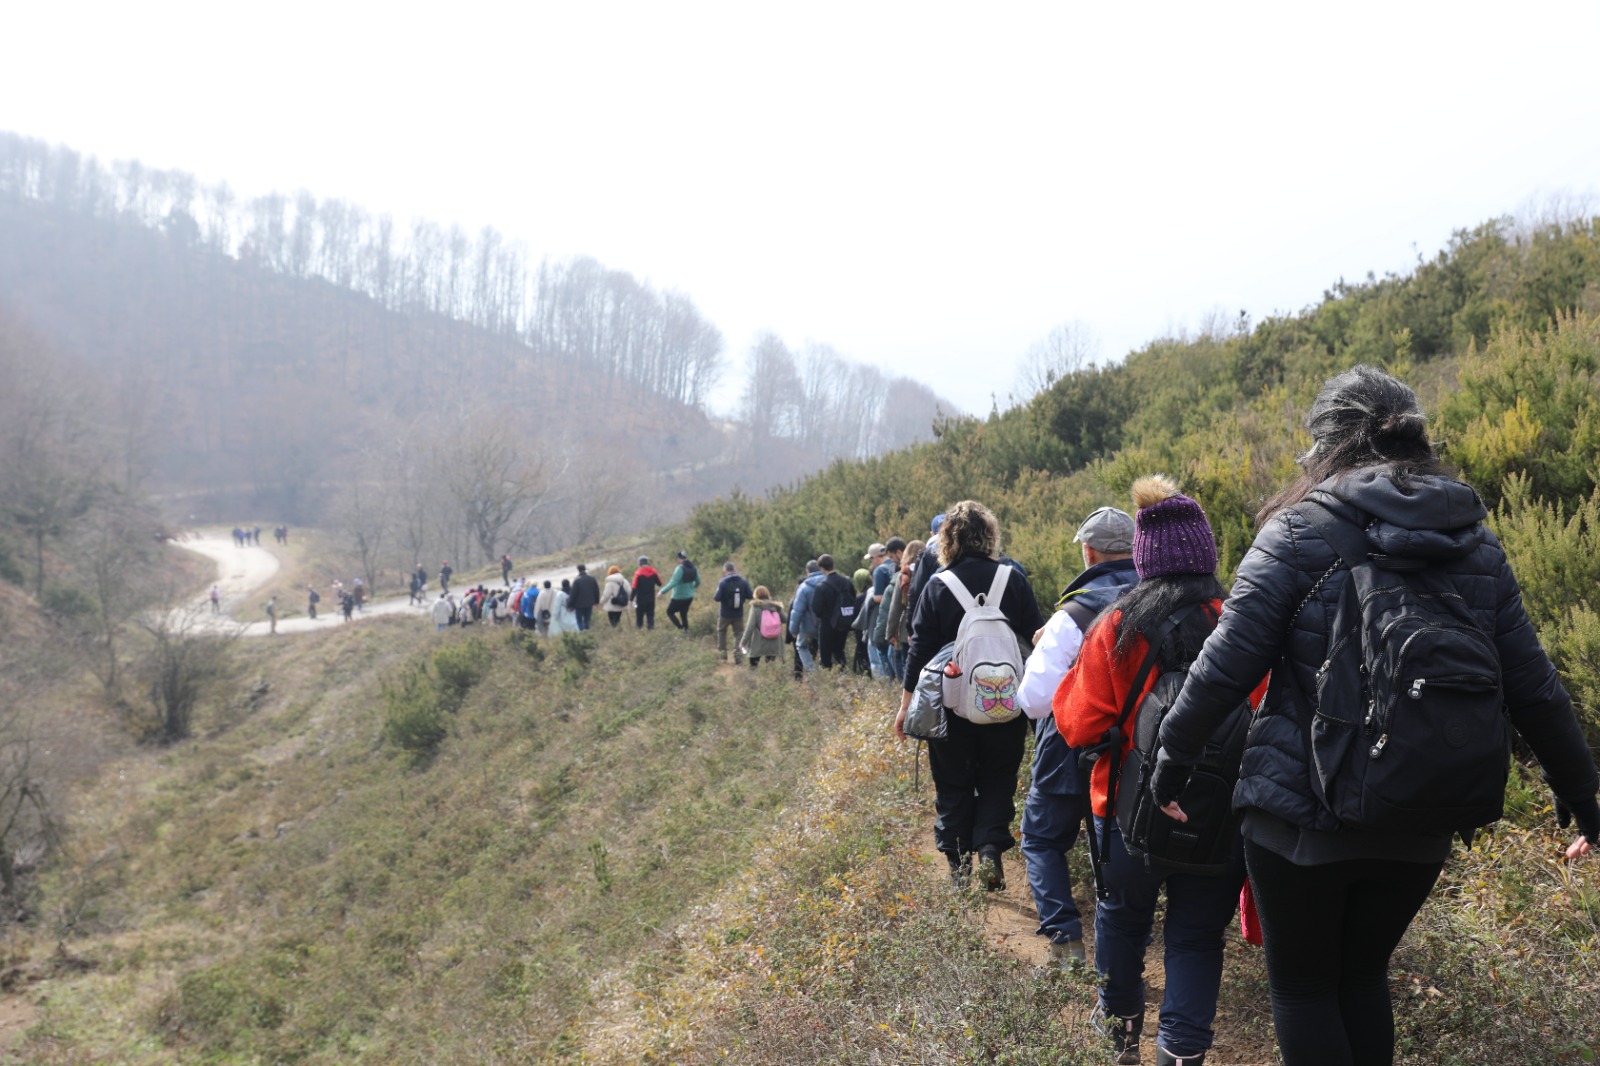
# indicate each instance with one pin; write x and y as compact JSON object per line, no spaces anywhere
{"x":1329,"y":932}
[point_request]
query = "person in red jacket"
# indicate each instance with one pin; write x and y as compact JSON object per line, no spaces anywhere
{"x":1175,"y":555}
{"x":645,"y":583}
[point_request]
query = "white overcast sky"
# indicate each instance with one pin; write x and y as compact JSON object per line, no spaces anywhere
{"x":927,"y":187}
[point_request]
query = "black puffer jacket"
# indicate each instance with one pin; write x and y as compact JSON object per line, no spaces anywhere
{"x":1269,"y":618}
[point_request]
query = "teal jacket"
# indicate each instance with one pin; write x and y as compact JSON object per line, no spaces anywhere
{"x":678,"y":588}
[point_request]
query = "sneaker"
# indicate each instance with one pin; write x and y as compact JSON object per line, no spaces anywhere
{"x":991,"y":872}
{"x":1068,"y":954}
{"x":1124,"y":1034}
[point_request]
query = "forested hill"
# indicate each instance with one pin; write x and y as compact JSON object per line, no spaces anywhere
{"x":277,"y":343}
{"x":1499,"y":333}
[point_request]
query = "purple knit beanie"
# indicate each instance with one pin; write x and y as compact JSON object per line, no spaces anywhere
{"x":1171,"y":534}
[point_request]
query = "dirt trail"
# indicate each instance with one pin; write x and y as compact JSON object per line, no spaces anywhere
{"x":244,"y":571}
{"x":1011,"y":924}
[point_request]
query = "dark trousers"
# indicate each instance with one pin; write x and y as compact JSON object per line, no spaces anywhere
{"x":975,"y":784}
{"x":725,"y":626}
{"x":678,"y":613}
{"x":1329,"y":931}
{"x":1199,"y":908}
{"x":833,"y":654}
{"x":584,"y":614}
{"x":615,"y":617}
{"x":644,"y":612}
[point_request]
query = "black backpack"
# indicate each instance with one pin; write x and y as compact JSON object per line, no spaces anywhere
{"x":1205,"y":843}
{"x":691,"y":575}
{"x":844,"y":604}
{"x":1407,"y":731}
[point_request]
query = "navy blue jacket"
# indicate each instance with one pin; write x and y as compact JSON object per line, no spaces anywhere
{"x":1055,"y":766}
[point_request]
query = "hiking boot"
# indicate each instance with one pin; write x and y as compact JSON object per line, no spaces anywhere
{"x":1124,"y":1034}
{"x":1167,"y":1058}
{"x":960,"y":870}
{"x":991,"y":874}
{"x":1068,"y":954}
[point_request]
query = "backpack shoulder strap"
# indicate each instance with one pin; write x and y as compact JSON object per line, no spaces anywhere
{"x":1156,"y":639}
{"x":957,"y":589}
{"x":1343,"y":536}
{"x":997,"y":587}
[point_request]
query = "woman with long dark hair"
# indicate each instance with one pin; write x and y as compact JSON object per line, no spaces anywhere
{"x":1335,"y":898}
{"x":1175,"y":555}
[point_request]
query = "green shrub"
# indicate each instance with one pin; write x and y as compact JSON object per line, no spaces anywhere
{"x":415,"y":720}
{"x":458,"y":667}
{"x":67,"y":602}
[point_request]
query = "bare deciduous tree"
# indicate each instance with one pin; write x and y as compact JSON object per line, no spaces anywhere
{"x":1070,"y":347}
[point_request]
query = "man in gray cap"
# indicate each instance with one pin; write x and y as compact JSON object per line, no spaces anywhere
{"x":1058,"y":800}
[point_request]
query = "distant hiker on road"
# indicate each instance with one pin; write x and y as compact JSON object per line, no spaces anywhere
{"x":216,"y":600}
{"x":505,"y":569}
{"x":416,"y":588}
{"x":420,"y":575}
{"x":347,"y":605}
{"x":272,"y":616}
{"x":680,"y":592}
{"x":731,"y":597}
{"x":615,"y":595}
{"x":312,"y":599}
{"x":360,"y":594}
{"x":1058,"y":798}
{"x":645,"y":583}
{"x":583,"y":597}
{"x":444,"y":576}
{"x":444,"y":612}
{"x":763,"y":633}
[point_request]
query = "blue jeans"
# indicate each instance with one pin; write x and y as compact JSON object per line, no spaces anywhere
{"x":879,"y":658}
{"x":1199,"y":910}
{"x":805,"y":646}
{"x":897,"y":662}
{"x":1050,"y":824}
{"x":584,"y":614}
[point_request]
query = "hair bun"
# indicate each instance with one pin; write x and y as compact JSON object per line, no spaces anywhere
{"x":1405,"y":425}
{"x":1149,"y":491}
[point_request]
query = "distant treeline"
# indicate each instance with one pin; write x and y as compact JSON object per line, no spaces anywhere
{"x":263,"y":342}
{"x":1499,"y":333}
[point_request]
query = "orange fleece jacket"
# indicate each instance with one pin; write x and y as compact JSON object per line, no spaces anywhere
{"x":1090,"y":697}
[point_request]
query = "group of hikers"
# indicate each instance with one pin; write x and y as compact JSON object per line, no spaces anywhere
{"x":1301,"y":749}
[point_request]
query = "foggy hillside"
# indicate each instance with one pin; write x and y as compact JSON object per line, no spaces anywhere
{"x":279,"y":355}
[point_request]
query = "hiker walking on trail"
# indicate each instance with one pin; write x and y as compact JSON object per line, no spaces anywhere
{"x":833,"y":604}
{"x":615,"y":595}
{"x":444,"y":576}
{"x":216,"y":600}
{"x":975,"y":765}
{"x":547,"y":609}
{"x":272,"y":616}
{"x":645,"y":583}
{"x":1058,"y":797}
{"x":444,"y":612}
{"x":885,"y":562}
{"x":802,"y":621}
{"x":897,"y":627}
{"x":1373,"y":511}
{"x":732,"y":595}
{"x":347,"y":605}
{"x":562,"y":618}
{"x":1175,"y":555}
{"x":360,"y":593}
{"x":505,"y":569}
{"x":312,"y":599}
{"x":680,"y":592}
{"x":583,"y":597}
{"x":416,"y":589}
{"x":763,"y":633}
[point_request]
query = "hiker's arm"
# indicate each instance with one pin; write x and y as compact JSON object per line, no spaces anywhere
{"x":1247,"y":643}
{"x":900,"y":718}
{"x":1058,"y":644}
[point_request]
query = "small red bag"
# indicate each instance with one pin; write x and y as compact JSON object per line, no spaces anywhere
{"x":1249,"y":919}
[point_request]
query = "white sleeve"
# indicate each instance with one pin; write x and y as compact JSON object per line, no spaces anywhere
{"x":1052,"y":656}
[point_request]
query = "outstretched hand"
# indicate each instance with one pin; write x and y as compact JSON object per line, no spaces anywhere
{"x":1175,"y":812}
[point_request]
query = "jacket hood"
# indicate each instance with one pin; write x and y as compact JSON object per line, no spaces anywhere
{"x":646,"y":571}
{"x":1431,"y":518}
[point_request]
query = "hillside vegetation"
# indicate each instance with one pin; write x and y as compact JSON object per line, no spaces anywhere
{"x":1499,"y":334}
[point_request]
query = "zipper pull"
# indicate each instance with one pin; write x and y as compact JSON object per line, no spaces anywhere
{"x":1377,"y":749}
{"x":1372,"y":714}
{"x":1416,"y":688}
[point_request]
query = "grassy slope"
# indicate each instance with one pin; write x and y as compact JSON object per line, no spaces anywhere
{"x":641,"y":859}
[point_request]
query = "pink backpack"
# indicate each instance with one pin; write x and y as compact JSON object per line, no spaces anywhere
{"x":771,"y":623}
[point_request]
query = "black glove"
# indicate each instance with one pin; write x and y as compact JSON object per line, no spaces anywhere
{"x":1168,"y":780}
{"x":1586,"y":812}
